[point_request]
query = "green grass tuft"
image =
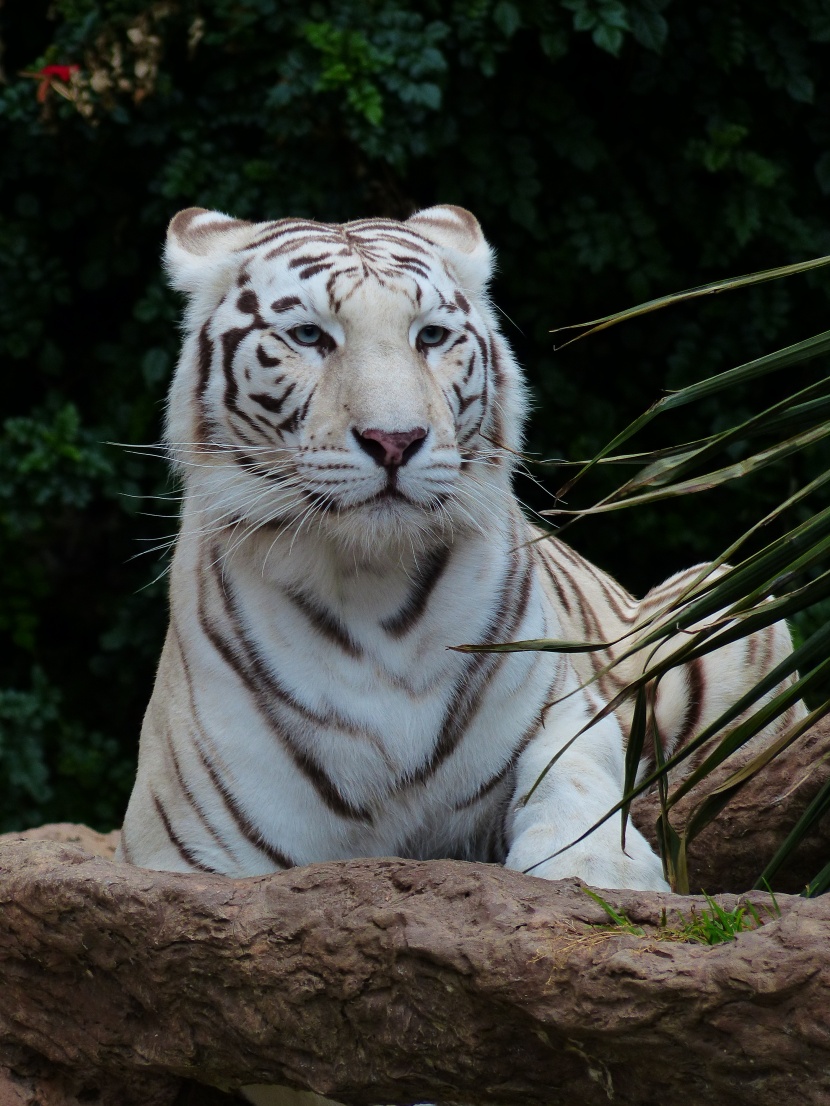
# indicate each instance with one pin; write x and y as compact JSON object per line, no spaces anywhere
{"x":711,"y":925}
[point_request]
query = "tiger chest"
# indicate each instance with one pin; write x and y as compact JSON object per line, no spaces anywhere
{"x":349,"y":739}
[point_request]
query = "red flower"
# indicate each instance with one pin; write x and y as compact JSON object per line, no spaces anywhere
{"x":62,"y":72}
{"x":52,"y":76}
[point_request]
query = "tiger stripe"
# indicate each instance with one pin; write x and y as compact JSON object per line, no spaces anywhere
{"x":416,"y":602}
{"x":272,"y":699}
{"x":240,"y":820}
{"x":325,"y":623}
{"x":195,"y":804}
{"x":185,"y":852}
{"x":488,"y":786}
{"x":479,"y":670}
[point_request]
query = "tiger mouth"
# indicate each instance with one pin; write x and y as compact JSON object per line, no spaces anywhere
{"x":385,"y":495}
{"x":391,"y":491}
{"x":389,"y":495}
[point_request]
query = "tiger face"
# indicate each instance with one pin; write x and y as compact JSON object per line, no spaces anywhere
{"x":346,"y":377}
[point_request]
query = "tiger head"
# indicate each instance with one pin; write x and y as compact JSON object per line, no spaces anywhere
{"x":347,"y":378}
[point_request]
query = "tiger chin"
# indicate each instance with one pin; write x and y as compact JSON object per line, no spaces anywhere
{"x":345,"y":419}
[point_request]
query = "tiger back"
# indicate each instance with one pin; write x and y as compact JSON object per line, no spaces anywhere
{"x":345,"y":419}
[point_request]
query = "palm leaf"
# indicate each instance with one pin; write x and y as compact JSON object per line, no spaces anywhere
{"x":730,"y":284}
{"x":785,"y":358}
{"x":814,"y":812}
{"x":725,"y":601}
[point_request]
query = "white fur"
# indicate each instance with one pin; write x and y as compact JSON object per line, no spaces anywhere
{"x":295,"y":562}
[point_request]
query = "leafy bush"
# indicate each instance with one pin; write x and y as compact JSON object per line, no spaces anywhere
{"x":613,"y":149}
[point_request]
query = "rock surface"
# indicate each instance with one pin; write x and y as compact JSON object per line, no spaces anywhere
{"x":397,"y":981}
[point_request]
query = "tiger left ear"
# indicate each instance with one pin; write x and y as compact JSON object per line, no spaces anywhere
{"x":201,"y":248}
{"x":458,"y":235}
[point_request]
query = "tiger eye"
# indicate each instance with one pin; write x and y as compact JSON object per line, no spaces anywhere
{"x":307,"y":335}
{"x":431,"y":335}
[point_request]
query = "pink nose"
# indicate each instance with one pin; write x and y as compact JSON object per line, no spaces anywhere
{"x":391,"y":448}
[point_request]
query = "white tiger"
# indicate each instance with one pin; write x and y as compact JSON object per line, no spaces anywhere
{"x":345,"y":418}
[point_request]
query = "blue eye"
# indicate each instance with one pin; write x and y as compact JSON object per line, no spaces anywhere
{"x":431,"y":335}
{"x":307,"y":335}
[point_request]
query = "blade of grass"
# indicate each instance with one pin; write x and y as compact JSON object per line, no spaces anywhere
{"x":819,"y":884}
{"x":816,"y":810}
{"x":757,"y":575}
{"x":617,"y":918}
{"x":736,"y":626}
{"x":814,"y":411}
{"x":723,"y":600}
{"x":727,"y":285}
{"x":771,"y":362}
{"x":633,"y":752}
{"x":749,"y":728}
{"x":719,"y":797}
{"x":707,"y":481}
{"x":714,"y":601}
{"x":707,"y":570}
{"x":730,"y":615}
{"x":669,"y":842}
{"x":765,"y":714}
{"x":779,"y":415}
{"x":699,"y":646}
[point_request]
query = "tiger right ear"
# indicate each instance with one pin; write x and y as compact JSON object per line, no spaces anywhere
{"x":457,"y":233}
{"x":201,"y":248}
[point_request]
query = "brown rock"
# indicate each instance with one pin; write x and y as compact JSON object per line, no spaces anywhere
{"x":401,"y":981}
{"x":69,"y":833}
{"x":398,"y":981}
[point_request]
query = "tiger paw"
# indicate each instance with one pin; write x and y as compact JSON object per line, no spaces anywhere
{"x":598,"y":860}
{"x":611,"y":873}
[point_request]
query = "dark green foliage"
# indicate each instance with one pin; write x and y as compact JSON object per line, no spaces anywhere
{"x":612,"y":150}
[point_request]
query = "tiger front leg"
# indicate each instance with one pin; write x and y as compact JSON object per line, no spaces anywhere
{"x":583,"y":785}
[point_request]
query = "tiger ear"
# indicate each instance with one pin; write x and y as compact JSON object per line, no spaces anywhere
{"x":201,"y":248}
{"x":458,"y":235}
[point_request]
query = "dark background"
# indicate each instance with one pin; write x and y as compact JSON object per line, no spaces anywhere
{"x":613,"y":151}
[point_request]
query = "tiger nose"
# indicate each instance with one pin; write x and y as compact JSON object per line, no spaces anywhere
{"x":391,"y":448}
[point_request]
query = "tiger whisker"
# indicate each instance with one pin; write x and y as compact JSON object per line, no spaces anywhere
{"x":235,"y":543}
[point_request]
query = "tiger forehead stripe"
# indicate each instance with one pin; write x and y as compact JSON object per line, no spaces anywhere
{"x":307,"y":259}
{"x":280,"y":229}
{"x":248,"y":304}
{"x":390,"y":226}
{"x":285,"y":304}
{"x":395,"y":240}
{"x":296,"y":239}
{"x":313,"y":270}
{"x":379,"y":249}
{"x":414,"y":265}
{"x":384,"y":249}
